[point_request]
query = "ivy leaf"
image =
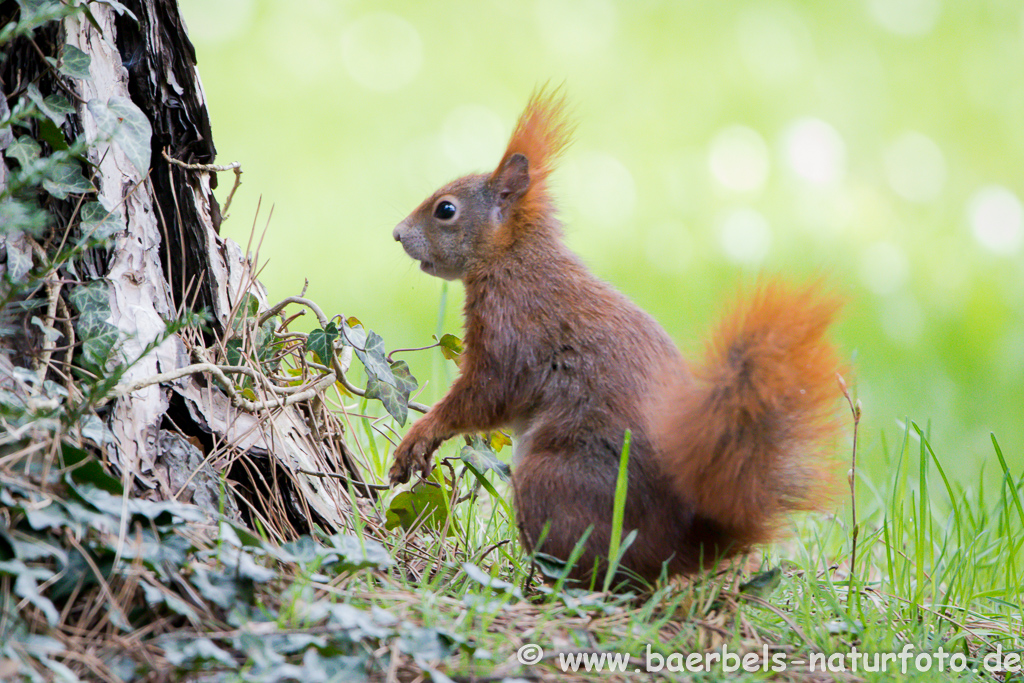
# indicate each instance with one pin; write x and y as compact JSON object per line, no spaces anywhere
{"x":551,"y":566}
{"x":761,"y":585}
{"x":94,"y":429}
{"x":233,"y":352}
{"x":427,"y":505}
{"x":390,"y":397}
{"x":267,"y":345}
{"x":21,"y":216}
{"x":478,"y":453}
{"x":39,"y":6}
{"x":85,"y":468}
{"x":54,"y":107}
{"x":161,"y":513}
{"x":404,"y":380}
{"x":35,"y":13}
{"x":25,"y":150}
{"x":74,"y":62}
{"x":481,"y":577}
{"x":223,"y":589}
{"x":98,"y":335}
{"x":353,"y":334}
{"x":12,"y":401}
{"x":59,"y":106}
{"x":373,"y":359}
{"x":66,"y":178}
{"x":6,"y":136}
{"x":52,"y":135}
{"x":189,"y":652}
{"x":19,"y":260}
{"x":125,"y":124}
{"x":342,"y":552}
{"x":498,"y":440}
{"x":249,"y":308}
{"x":98,"y":344}
{"x":239,"y":537}
{"x":252,"y":305}
{"x":426,"y":644}
{"x":119,"y":8}
{"x":98,"y":223}
{"x":302,"y":550}
{"x":242,"y":565}
{"x":353,"y":554}
{"x":395,"y":398}
{"x":155,"y":596}
{"x":451,"y":347}
{"x":321,"y":342}
{"x":92,"y":299}
{"x":51,"y":334}
{"x":25,"y":586}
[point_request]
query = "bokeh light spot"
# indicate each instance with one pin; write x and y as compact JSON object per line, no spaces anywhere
{"x":906,"y":17}
{"x":997,"y":219}
{"x":381,"y":51}
{"x":745,"y":236}
{"x":815,"y":151}
{"x":738,"y":159}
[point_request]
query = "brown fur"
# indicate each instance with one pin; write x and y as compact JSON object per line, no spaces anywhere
{"x":758,"y":415}
{"x":571,"y":364}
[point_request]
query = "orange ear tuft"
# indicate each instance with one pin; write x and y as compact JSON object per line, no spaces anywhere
{"x":541,"y":135}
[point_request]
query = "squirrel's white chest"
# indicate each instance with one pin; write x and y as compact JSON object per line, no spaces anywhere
{"x":522,"y":441}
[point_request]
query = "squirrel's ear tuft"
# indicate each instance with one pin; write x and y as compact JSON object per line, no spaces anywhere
{"x":511,"y":181}
{"x":539,"y":139}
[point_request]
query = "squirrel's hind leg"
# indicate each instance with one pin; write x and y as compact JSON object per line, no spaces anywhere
{"x":556,"y":502}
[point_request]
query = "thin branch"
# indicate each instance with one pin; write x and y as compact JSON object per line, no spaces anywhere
{"x":278,"y":307}
{"x":342,"y":477}
{"x":220,"y":375}
{"x":257,"y":406}
{"x":170,"y":376}
{"x":420,"y":348}
{"x":56,"y":74}
{"x":53,"y":286}
{"x":235,"y":166}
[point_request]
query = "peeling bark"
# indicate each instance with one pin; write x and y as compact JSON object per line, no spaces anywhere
{"x":169,"y":255}
{"x":140,"y":296}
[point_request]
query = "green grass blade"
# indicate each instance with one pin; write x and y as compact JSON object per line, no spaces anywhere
{"x":619,"y":510}
{"x":1009,"y":478}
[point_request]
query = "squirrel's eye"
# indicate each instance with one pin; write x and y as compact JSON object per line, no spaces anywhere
{"x":445,"y":210}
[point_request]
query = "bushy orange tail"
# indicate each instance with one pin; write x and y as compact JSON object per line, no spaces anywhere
{"x":745,"y":441}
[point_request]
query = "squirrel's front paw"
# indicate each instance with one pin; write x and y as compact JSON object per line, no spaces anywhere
{"x":412,"y":455}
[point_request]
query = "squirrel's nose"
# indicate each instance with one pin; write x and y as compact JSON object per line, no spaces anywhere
{"x":397,"y":232}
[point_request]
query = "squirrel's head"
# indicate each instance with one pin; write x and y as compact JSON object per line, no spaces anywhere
{"x":475,"y":218}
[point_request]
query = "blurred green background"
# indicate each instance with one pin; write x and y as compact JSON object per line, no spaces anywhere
{"x":876,"y":142}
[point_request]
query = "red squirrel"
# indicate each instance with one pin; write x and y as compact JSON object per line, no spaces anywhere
{"x":719,"y":453}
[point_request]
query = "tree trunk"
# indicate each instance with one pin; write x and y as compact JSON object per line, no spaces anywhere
{"x":139,"y":106}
